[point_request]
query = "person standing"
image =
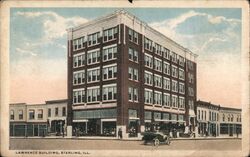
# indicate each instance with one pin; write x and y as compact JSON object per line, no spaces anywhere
{"x":120,"y":133}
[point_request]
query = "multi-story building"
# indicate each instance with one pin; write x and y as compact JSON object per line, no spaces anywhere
{"x":37,"y":119}
{"x":216,"y":120}
{"x":123,"y":74}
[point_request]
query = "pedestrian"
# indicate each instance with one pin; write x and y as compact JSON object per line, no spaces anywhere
{"x":120,"y":133}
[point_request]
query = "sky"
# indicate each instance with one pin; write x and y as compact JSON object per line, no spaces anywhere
{"x":38,"y":51}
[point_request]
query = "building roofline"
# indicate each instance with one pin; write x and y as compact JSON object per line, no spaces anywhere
{"x":18,"y":103}
{"x":231,"y":108}
{"x":56,"y":101}
{"x":220,"y":107}
{"x":129,"y":15}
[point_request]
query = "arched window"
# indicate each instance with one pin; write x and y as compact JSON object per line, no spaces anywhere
{"x":31,"y":114}
{"x":12,"y":114}
{"x":20,"y":113}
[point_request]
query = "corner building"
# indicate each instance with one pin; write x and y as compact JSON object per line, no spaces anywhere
{"x":124,"y":75}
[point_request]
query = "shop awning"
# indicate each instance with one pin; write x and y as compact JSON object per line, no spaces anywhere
{"x":108,"y":120}
{"x":80,"y":120}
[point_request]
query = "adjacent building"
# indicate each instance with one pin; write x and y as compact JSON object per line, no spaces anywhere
{"x":38,"y":119}
{"x":123,"y":74}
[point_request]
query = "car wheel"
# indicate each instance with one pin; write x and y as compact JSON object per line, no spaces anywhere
{"x":156,"y":142}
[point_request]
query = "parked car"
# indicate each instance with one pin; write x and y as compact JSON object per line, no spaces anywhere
{"x":156,"y":138}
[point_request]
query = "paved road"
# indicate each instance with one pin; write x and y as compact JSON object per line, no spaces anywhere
{"x":83,"y":144}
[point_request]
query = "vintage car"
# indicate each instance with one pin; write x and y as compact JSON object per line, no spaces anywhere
{"x":156,"y":138}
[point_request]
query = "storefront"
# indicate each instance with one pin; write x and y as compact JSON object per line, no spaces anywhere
{"x":28,"y":129}
{"x":133,"y":123}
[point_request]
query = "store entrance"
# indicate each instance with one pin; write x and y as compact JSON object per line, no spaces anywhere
{"x":133,"y":128}
{"x":94,"y":127}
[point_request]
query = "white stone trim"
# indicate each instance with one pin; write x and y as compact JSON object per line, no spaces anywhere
{"x":110,"y":65}
{"x":109,"y":46}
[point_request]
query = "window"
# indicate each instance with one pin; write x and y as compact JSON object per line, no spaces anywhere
{"x":157,"y":98}
{"x":110,"y":34}
{"x":109,"y":92}
{"x":132,"y":35}
{"x":64,"y":111}
{"x":202,"y":115}
{"x":133,"y":94}
{"x":40,"y":114}
{"x":174,"y":72}
{"x":158,"y":49}
{"x":20,"y":113}
{"x":56,"y":111}
{"x":166,"y":99}
{"x":79,"y":96}
{"x":148,"y":96}
{"x":31,"y":114}
{"x":148,"y":61}
{"x":93,"y":39}
{"x":79,"y":60}
{"x":12,"y":114}
{"x":93,"y":56}
{"x":181,"y":61}
{"x":166,"y":83}
{"x":232,"y":118}
{"x":158,"y":64}
{"x":94,"y":75}
{"x":148,"y":77}
{"x":78,"y":43}
{"x":191,"y":104}
{"x":174,"y":101}
{"x":181,"y":88}
{"x":166,"y":53}
{"x":132,"y":113}
{"x":174,"y":57}
{"x":93,"y":94}
{"x":181,"y":102}
{"x":199,"y":114}
{"x":49,"y":112}
{"x":133,"y":74}
{"x":190,"y":78}
{"x":158,"y":80}
{"x":174,"y":86}
{"x":190,"y":65}
{"x":132,"y":55}
{"x":157,"y":115}
{"x":223,"y":117}
{"x":79,"y":77}
{"x":109,"y":72}
{"x":148,"y":44}
{"x":166,"y":68}
{"x":181,"y":74}
{"x":190,"y":91}
{"x":109,"y":53}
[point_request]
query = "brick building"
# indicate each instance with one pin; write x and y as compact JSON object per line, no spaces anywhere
{"x":123,"y":74}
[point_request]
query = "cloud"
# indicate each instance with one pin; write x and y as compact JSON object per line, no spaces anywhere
{"x":26,"y":52}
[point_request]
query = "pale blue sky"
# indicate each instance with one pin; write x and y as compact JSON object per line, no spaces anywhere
{"x":39,"y":35}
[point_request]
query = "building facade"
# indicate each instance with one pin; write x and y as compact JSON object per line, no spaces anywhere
{"x":124,"y":75}
{"x":38,"y":119}
{"x":215,"y":120}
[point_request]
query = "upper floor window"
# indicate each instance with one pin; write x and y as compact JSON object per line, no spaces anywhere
{"x":190,"y":65}
{"x":79,"y":60}
{"x":166,"y":83}
{"x":78,"y":43}
{"x":148,"y":78}
{"x":166,"y":99}
{"x":93,"y":94}
{"x":174,"y":72}
{"x":56,"y":111}
{"x":93,"y":56}
{"x":181,"y":61}
{"x":64,"y":111}
{"x":157,"y":98}
{"x":148,"y":44}
{"x":158,"y":80}
{"x":133,"y":94}
{"x":49,"y":112}
{"x":174,"y":57}
{"x":148,"y":61}
{"x":79,"y":77}
{"x":79,"y":96}
{"x":20,"y":113}
{"x":166,"y":68}
{"x":190,"y":78}
{"x":190,"y":91}
{"x":94,"y":75}
{"x":191,"y":105}
{"x":174,"y":86}
{"x":199,"y":114}
{"x":232,"y":118}
{"x":40,"y":114}
{"x":133,"y":74}
{"x":181,"y":74}
{"x":133,"y":55}
{"x":109,"y":72}
{"x":158,"y":49}
{"x":109,"y":53}
{"x":174,"y":101}
{"x":158,"y":64}
{"x":93,"y":39}
{"x":148,"y":96}
{"x":109,"y":92}
{"x":181,"y":102}
{"x":132,"y":35}
{"x":12,"y":114}
{"x":31,"y":114}
{"x":110,"y":34}
{"x":181,"y":88}
{"x":166,"y":53}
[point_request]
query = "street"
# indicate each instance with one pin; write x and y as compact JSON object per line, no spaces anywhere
{"x":84,"y":144}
